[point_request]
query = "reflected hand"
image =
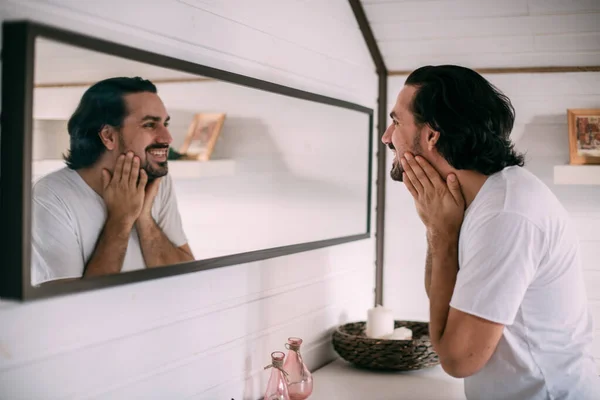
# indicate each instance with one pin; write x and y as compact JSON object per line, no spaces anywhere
{"x":150,"y":194}
{"x":440,"y":204}
{"x":122,"y":193}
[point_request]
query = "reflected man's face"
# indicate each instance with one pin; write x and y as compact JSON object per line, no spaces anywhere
{"x":145,"y":132}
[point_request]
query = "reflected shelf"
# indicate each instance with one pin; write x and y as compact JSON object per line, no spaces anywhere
{"x":577,"y":174}
{"x":188,"y":169}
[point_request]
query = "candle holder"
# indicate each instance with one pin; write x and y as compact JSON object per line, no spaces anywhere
{"x":352,"y":344}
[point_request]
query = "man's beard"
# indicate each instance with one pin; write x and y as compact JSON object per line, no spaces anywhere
{"x":151,"y":171}
{"x":397,"y":170}
{"x":155,"y":172}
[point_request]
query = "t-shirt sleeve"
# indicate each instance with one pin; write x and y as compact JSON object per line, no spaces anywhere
{"x":498,"y":259}
{"x":55,"y":249}
{"x":168,"y":218}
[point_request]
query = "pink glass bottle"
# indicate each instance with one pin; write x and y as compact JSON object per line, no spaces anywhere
{"x":277,"y":385}
{"x":300,"y":381}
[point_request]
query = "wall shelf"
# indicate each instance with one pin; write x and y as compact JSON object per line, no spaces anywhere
{"x":577,"y":174}
{"x":177,"y":169}
{"x":201,"y":169}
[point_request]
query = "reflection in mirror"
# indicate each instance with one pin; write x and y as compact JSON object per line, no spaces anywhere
{"x":132,"y":173}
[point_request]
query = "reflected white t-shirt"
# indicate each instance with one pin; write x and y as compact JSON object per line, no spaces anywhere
{"x":520,"y":266}
{"x":68,"y":217}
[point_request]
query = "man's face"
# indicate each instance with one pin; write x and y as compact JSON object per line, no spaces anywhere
{"x":144,"y":131}
{"x":403,"y":135}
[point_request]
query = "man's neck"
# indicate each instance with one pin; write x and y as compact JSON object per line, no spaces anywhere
{"x":93,"y":176}
{"x":471,"y":183}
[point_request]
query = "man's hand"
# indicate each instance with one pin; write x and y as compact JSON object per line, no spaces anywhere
{"x":151,"y":191}
{"x":440,"y":205}
{"x":122,"y":193}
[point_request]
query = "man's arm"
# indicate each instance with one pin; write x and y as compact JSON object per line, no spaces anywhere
{"x":428,"y":268}
{"x":123,"y":194}
{"x":156,"y":246}
{"x":463,"y":341}
{"x":109,"y":254}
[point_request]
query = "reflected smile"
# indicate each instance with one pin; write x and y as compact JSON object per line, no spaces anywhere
{"x":159,"y":155}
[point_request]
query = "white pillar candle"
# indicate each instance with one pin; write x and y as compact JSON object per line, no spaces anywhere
{"x":380,"y":322}
{"x":402,"y":333}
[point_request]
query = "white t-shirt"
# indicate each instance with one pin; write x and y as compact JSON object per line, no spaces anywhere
{"x":68,"y":217}
{"x":520,"y":266}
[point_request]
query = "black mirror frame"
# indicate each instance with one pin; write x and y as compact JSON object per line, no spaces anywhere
{"x":18,"y":52}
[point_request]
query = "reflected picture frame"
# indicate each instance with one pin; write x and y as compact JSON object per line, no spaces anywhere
{"x":202,"y":136}
{"x":584,"y":136}
{"x":18,"y":56}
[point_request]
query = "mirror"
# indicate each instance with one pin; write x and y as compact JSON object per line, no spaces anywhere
{"x":220,"y":165}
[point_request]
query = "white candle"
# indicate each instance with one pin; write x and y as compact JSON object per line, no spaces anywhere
{"x":402,"y":333}
{"x":380,"y":322}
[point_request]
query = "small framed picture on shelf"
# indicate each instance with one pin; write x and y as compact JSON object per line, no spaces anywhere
{"x":584,"y":136}
{"x":202,"y":135}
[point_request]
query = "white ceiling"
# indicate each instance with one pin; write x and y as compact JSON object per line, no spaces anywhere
{"x":486,"y":33}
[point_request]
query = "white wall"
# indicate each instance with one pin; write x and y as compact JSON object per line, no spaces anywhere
{"x":540,"y":101}
{"x":206,"y":335}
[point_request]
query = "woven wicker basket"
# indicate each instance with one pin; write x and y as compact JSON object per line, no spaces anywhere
{"x":351,"y":343}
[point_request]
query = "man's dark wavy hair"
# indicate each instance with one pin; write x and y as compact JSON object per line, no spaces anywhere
{"x":473,"y":117}
{"x":102,"y":104}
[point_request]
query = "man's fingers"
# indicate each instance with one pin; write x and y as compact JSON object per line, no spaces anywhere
{"x":454,"y":188}
{"x":135,"y":171}
{"x":118,"y":168}
{"x":409,"y":185}
{"x":127,"y":167}
{"x":433,"y":176}
{"x":418,"y":171}
{"x":411,"y":176}
{"x":143,"y":180}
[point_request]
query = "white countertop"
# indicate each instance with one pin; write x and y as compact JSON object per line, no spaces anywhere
{"x":340,"y":380}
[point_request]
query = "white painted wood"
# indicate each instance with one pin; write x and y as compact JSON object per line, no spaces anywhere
{"x":494,"y":60}
{"x":470,"y":45}
{"x":339,"y":380}
{"x":424,"y":28}
{"x":204,"y":334}
{"x":196,"y":170}
{"x":577,"y":174}
{"x":216,"y":346}
{"x":562,"y":6}
{"x":567,"y":43}
{"x":592,"y":283}
{"x":346,"y":42}
{"x":486,"y":34}
{"x":587,"y":227}
{"x":177,"y":169}
{"x":199,"y":37}
{"x":435,"y":10}
{"x":590,"y":253}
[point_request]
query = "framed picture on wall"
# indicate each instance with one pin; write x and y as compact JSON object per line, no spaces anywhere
{"x":584,"y":136}
{"x":202,"y":136}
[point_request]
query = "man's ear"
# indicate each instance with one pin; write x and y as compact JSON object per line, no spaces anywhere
{"x":108,"y":136}
{"x":432,"y":138}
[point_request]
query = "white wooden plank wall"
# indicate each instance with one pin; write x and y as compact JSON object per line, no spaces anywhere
{"x":204,"y":335}
{"x":541,"y":131}
{"x":486,"y":33}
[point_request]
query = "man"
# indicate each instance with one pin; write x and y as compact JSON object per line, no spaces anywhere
{"x":113,"y":208}
{"x":508,"y":308}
